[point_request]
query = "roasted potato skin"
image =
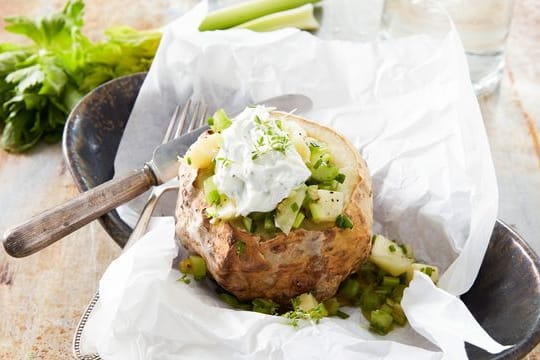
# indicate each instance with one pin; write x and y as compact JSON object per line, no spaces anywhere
{"x":284,"y":266}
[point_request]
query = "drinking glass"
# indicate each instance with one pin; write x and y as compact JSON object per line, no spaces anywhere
{"x":483,"y":26}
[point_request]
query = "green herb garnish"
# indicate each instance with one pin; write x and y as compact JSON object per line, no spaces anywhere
{"x":226,"y":162}
{"x":315,"y":315}
{"x":219,"y":121}
{"x":273,"y":138}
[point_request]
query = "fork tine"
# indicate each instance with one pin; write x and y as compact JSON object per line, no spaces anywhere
{"x":202,"y":119}
{"x":181,"y":124}
{"x":172,"y":124}
{"x":194,"y":117}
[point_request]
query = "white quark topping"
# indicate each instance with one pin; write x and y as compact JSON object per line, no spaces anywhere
{"x":257,"y":165}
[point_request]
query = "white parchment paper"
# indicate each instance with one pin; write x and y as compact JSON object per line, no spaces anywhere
{"x":409,"y":108}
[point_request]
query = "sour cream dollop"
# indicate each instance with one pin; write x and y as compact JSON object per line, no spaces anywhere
{"x":258,"y":166}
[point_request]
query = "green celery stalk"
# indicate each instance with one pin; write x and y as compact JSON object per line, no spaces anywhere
{"x":246,"y":11}
{"x":301,"y":17}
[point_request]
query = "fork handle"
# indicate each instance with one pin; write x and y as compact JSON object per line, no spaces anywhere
{"x":50,"y":226}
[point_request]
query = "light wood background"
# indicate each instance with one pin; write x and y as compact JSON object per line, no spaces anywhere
{"x":43,"y":296}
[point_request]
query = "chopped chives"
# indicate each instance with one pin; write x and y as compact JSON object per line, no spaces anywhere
{"x":344,"y":222}
{"x":427,"y":270}
{"x":342,"y":315}
{"x":340,"y":178}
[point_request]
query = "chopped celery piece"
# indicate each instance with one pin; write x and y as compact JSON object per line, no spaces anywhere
{"x":285,"y":215}
{"x":220,"y":121}
{"x":301,"y":17}
{"x":340,"y":178}
{"x":312,"y":193}
{"x":398,"y":315}
{"x":367,"y":267}
{"x":367,"y":279}
{"x":386,"y":308}
{"x":329,"y":185}
{"x":269,"y":223}
{"x":370,"y":301}
{"x":305,"y":302}
{"x":349,"y":289}
{"x":397,"y":293}
{"x":248,"y":223}
{"x":390,"y":281}
{"x":246,"y":11}
{"x":213,"y":197}
{"x":344,"y":222}
{"x":319,"y":151}
{"x":382,"y":290}
{"x":430,"y":270}
{"x":233,"y":301}
{"x":194,"y":265}
{"x":202,"y":175}
{"x":324,"y":173}
{"x":380,"y":322}
{"x":332,"y":306}
{"x":258,"y":216}
{"x":327,"y":207}
{"x":265,"y":306}
{"x":394,"y":262}
{"x":298,"y":220}
{"x":225,"y":210}
{"x":211,"y":193}
{"x":317,"y":313}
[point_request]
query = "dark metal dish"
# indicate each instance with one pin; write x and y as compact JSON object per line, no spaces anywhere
{"x":505,"y":297}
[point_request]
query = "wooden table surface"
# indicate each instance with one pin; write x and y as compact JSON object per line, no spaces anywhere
{"x":43,"y":296}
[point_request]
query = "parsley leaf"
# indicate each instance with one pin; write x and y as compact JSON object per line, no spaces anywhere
{"x":40,"y":83}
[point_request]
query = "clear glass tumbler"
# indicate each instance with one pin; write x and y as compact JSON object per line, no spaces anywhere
{"x":483,"y":26}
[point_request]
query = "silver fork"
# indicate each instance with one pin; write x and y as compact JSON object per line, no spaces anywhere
{"x":177,"y":127}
